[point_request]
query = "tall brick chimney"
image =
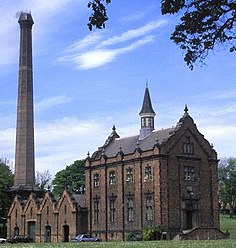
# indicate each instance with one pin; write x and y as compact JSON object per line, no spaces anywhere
{"x":24,"y":177}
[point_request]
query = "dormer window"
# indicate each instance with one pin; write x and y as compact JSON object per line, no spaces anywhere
{"x":112,"y":178}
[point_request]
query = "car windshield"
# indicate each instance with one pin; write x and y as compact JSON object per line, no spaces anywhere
{"x":79,"y":236}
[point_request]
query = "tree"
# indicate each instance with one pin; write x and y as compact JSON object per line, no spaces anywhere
{"x":6,"y":181}
{"x":43,"y":179}
{"x":72,"y":178}
{"x":227,"y":182}
{"x":204,"y":25}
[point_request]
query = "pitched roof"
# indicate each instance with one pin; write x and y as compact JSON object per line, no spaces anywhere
{"x":80,"y":199}
{"x":129,"y":144}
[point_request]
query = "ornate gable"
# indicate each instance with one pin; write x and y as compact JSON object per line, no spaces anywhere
{"x":189,"y":138}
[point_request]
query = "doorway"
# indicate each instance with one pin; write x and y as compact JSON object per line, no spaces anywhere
{"x":66,"y":232}
{"x":16,"y":231}
{"x":48,"y":234}
{"x":31,"y":230}
{"x":189,"y":219}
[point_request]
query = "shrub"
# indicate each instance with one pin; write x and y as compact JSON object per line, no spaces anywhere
{"x":152,"y":233}
{"x":131,"y":236}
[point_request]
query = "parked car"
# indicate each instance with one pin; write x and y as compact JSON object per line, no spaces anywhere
{"x":20,"y":239}
{"x":85,"y":238}
{"x":2,"y":240}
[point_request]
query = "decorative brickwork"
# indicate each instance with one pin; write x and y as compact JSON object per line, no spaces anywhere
{"x":48,"y":219}
{"x":167,"y":178}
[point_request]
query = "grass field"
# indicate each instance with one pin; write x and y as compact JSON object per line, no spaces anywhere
{"x":226,"y":224}
{"x":231,"y":243}
{"x":229,"y":224}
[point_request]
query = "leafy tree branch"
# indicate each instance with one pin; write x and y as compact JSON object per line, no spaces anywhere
{"x":204,"y":25}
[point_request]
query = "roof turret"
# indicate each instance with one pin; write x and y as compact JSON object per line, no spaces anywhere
{"x":147,"y":104}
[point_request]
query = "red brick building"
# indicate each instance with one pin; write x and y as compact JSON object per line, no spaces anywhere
{"x":166,"y":177}
{"x":48,"y":219}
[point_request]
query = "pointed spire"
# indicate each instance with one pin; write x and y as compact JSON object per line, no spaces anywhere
{"x":147,"y":104}
{"x":147,"y":115}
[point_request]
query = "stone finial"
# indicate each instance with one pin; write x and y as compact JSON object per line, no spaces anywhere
{"x":186,"y":110}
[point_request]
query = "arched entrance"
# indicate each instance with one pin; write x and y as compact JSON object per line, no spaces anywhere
{"x":66,"y":232}
{"x":48,"y":233}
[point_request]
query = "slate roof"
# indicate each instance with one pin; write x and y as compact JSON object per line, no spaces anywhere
{"x":80,"y":199}
{"x":147,"y":104}
{"x":129,"y":144}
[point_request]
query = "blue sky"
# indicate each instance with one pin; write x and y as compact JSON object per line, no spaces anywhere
{"x":84,"y":82}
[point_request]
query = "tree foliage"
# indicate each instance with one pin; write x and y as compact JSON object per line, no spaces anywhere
{"x":227,"y":183}
{"x":6,"y":181}
{"x":99,"y":14}
{"x":71,"y":178}
{"x":204,"y":25}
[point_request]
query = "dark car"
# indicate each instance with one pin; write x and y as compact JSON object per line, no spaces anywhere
{"x":20,"y":239}
{"x":85,"y":238}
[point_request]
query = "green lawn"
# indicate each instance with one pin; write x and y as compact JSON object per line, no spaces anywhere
{"x":141,"y":244}
{"x":229,"y":224}
{"x":226,"y":224}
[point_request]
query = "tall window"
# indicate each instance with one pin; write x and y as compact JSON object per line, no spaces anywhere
{"x":148,"y":173}
{"x":130,"y":209}
{"x":96,"y":210}
{"x":189,"y":173}
{"x":65,"y":209}
{"x":188,"y":147}
{"x":149,"y":207}
{"x":112,"y":178}
{"x":31,"y":212}
{"x":112,"y":208}
{"x":96,"y":180}
{"x":129,"y":175}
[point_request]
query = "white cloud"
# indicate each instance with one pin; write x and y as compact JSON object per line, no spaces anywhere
{"x":51,"y":102}
{"x":100,"y":57}
{"x":59,"y":142}
{"x":223,"y":138}
{"x":7,"y":138}
{"x":94,"y":58}
{"x":84,"y":43}
{"x":134,"y":33}
{"x":42,"y":11}
{"x":94,"y":50}
{"x":62,"y":141}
